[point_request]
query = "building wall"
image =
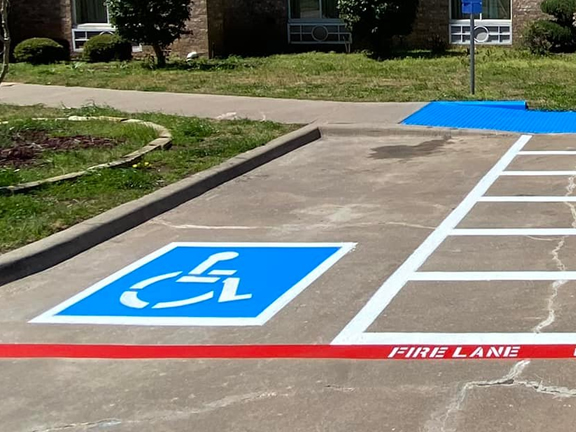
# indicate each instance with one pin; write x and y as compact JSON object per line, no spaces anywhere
{"x":197,"y":35}
{"x":223,"y":27}
{"x":41,"y":18}
{"x":249,"y":27}
{"x":216,"y":21}
{"x":431,"y":25}
{"x":255,"y":26}
{"x":524,"y":11}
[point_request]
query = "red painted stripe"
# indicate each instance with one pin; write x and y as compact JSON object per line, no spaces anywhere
{"x":365,"y":352}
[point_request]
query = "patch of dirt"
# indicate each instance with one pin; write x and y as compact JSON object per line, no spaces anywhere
{"x":28,"y":146}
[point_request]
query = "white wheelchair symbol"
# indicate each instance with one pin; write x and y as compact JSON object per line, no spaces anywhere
{"x":229,"y":291}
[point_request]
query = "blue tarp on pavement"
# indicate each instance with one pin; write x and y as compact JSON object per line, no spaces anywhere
{"x":502,"y":116}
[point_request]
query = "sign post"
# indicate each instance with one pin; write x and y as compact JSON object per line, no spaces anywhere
{"x":472,"y":7}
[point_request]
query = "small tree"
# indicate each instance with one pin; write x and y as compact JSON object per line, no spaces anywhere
{"x":555,"y":34}
{"x":151,"y":22}
{"x":4,"y":38}
{"x":375,"y":22}
{"x":562,"y":10}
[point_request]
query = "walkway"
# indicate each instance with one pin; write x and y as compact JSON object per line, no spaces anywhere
{"x":211,"y":106}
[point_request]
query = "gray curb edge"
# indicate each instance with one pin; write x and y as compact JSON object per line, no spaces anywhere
{"x":375,"y":130}
{"x":61,"y":246}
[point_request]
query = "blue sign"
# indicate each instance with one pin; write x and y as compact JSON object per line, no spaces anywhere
{"x":472,"y":7}
{"x":202,"y":284}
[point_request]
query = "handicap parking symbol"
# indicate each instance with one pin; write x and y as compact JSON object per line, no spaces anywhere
{"x":187,"y":284}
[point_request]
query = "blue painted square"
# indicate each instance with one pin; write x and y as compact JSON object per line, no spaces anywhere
{"x":472,"y":7}
{"x":202,"y":284}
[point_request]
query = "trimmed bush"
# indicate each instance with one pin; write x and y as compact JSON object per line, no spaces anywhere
{"x":374,"y":23}
{"x":542,"y":37}
{"x":40,"y":51}
{"x":106,"y":48}
{"x":562,"y":10}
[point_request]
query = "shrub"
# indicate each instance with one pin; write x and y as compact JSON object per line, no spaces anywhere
{"x":542,"y":37}
{"x":562,"y":10}
{"x":375,"y":22}
{"x":437,"y":44}
{"x":40,"y":51}
{"x":106,"y":48}
{"x":151,"y":22}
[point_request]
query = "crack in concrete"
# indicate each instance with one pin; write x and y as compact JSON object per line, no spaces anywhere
{"x":99,"y":423}
{"x":556,"y":285}
{"x":285,"y":227}
{"x":186,"y":413}
{"x":409,"y":225}
{"x":202,"y":227}
{"x":441,"y":422}
{"x":542,"y":238}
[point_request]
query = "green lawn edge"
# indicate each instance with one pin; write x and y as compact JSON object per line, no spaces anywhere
{"x":198,"y":144}
{"x":502,"y":74}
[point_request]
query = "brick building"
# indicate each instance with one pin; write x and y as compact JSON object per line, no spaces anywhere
{"x":220,"y":27}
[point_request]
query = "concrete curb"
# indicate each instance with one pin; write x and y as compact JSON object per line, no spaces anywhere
{"x":376,"y":130}
{"x":163,"y":141}
{"x":61,"y":246}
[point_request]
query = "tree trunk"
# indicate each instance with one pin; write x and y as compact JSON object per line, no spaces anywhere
{"x":5,"y":37}
{"x":160,"y":56}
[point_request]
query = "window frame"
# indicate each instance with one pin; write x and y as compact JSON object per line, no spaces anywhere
{"x":479,"y":16}
{"x":321,"y":18}
{"x":99,"y":26}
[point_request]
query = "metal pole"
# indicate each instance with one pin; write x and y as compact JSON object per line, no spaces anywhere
{"x":472,"y":56}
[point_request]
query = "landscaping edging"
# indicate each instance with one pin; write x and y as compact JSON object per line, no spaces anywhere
{"x":162,"y":141}
{"x":61,"y":246}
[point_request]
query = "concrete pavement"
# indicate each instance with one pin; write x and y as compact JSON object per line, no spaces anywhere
{"x":387,"y":193}
{"x":210,"y":106}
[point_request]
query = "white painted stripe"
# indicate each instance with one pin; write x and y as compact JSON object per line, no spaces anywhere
{"x":222,"y":272}
{"x":198,"y":279}
{"x":465,"y":339}
{"x":147,"y":321}
{"x":384,"y":295}
{"x":514,"y":232}
{"x":525,"y":199}
{"x":538,"y":173}
{"x":547,"y":152}
{"x":494,"y":276}
{"x":289,"y":295}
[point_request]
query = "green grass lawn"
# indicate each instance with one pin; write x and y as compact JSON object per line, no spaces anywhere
{"x":416,"y":76}
{"x":197,"y":145}
{"x":120,"y":139}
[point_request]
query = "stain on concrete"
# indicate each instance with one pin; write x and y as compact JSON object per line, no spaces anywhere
{"x":408,"y":151}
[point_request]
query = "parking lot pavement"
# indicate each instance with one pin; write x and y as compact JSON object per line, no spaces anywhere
{"x":412,"y":245}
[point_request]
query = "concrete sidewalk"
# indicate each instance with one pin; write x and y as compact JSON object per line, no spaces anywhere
{"x":210,"y":106}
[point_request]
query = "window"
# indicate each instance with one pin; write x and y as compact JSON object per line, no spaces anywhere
{"x":494,"y":26}
{"x":90,"y":19}
{"x":91,"y":12}
{"x":313,"y":9}
{"x":491,"y":10}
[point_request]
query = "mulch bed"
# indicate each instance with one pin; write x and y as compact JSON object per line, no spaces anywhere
{"x":27,"y":146}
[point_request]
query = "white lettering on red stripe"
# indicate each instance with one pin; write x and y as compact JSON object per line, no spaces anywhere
{"x":454,"y":352}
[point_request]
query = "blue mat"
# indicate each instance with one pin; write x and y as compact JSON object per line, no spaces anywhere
{"x":500,"y":116}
